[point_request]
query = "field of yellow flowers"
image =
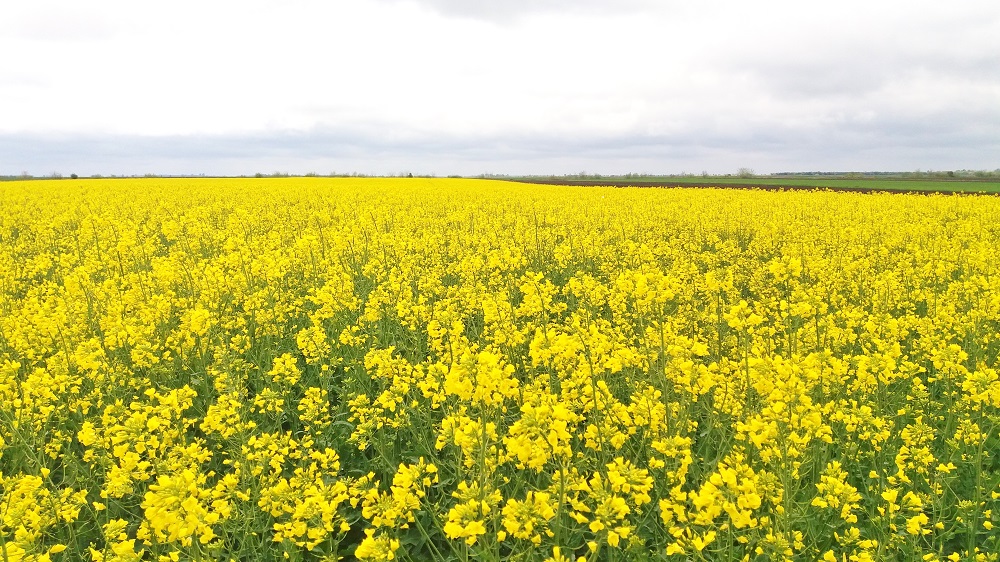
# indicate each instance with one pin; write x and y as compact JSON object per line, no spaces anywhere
{"x":376,"y":369}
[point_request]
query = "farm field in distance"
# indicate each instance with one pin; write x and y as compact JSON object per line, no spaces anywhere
{"x":839,"y":182}
{"x":451,"y":369}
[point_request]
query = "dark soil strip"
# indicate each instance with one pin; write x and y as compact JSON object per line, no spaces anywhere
{"x":760,"y":186}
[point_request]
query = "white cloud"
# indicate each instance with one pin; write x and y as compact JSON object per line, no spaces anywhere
{"x":750,"y":82}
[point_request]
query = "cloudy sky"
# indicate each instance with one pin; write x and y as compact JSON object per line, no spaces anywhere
{"x":497,"y":86}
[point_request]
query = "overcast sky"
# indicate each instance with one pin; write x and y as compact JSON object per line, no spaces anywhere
{"x":497,"y":86}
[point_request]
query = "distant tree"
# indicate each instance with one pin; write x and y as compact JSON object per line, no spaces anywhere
{"x":745,"y":173}
{"x":73,"y":176}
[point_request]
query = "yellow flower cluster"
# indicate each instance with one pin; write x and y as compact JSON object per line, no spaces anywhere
{"x":422,"y":369}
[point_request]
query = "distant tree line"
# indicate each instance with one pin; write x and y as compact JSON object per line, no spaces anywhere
{"x":583,"y":175}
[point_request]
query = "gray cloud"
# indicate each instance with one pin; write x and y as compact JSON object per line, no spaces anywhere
{"x":969,"y":140}
{"x":856,"y":74}
{"x":511,"y":10}
{"x":853,"y":49}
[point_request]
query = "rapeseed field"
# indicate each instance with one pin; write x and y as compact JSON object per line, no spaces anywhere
{"x":375,"y":369}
